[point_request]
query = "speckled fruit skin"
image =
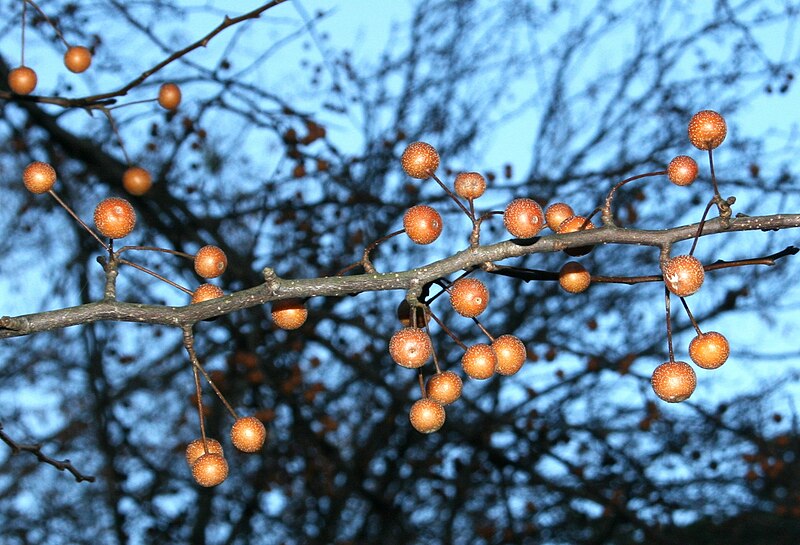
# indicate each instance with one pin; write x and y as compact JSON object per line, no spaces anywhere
{"x":420,"y":160}
{"x":523,"y":218}
{"x":114,"y":218}
{"x":479,"y":361}
{"x":404,"y":315}
{"x":22,"y":80}
{"x":410,"y":347}
{"x":210,"y":261}
{"x":574,"y":278}
{"x":469,"y":185}
{"x":707,"y":130}
{"x":444,"y":387}
{"x":137,"y":181}
{"x":77,"y":59}
{"x":289,"y":313}
{"x":510,"y":353}
{"x":683,"y":275}
{"x":674,"y":381}
{"x":169,"y":96}
{"x":422,"y":223}
{"x":571,"y":225}
{"x":556,"y":213}
{"x":709,"y":350}
{"x":682,"y":170}
{"x":210,"y":470}
{"x":205,"y":292}
{"x":195,"y":449}
{"x":469,"y":297}
{"x":39,"y":177}
{"x":426,"y":416}
{"x":248,"y":434}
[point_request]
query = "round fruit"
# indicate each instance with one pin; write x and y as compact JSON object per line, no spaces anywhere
{"x":556,"y":213}
{"x":210,"y":262}
{"x":210,"y":469}
{"x":683,"y":275}
{"x":469,"y":297}
{"x":77,"y":59}
{"x":422,"y":223}
{"x":205,"y":292}
{"x":469,"y":185}
{"x":707,"y":130}
{"x":523,"y":218}
{"x":169,"y":96}
{"x":571,"y":225}
{"x":114,"y":218}
{"x":709,"y":350}
{"x":674,"y":381}
{"x":444,"y":387}
{"x":39,"y":177}
{"x":420,"y":160}
{"x":510,"y":353}
{"x":195,"y":449}
{"x":410,"y":347}
{"x":404,"y":314}
{"x":289,"y":313}
{"x":479,"y":361}
{"x":682,"y":170}
{"x":574,"y":277}
{"x":248,"y":434}
{"x":426,"y":416}
{"x":22,"y":80}
{"x":137,"y":181}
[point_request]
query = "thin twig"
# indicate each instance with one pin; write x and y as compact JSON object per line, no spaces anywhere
{"x":36,"y":450}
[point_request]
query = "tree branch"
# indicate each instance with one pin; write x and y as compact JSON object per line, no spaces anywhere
{"x":36,"y":450}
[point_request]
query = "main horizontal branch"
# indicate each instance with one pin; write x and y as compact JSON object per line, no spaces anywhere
{"x":275,"y":288}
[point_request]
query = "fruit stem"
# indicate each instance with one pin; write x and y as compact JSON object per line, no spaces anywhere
{"x":669,"y":324}
{"x":422,"y":385}
{"x":156,"y":275}
{"x":433,"y":351}
{"x":713,"y":174}
{"x":702,"y":224}
{"x":199,"y":395}
{"x":22,"y":48}
{"x":691,"y":316}
{"x":608,"y":217}
{"x":448,"y":331}
{"x":365,"y":261}
{"x":454,"y":197}
{"x":475,"y":237}
{"x":188,"y":343}
{"x":132,"y":103}
{"x":79,"y":220}
{"x":114,"y":128}
{"x":480,"y":325}
{"x":46,"y":18}
{"x":111,"y":268}
{"x":155,"y":249}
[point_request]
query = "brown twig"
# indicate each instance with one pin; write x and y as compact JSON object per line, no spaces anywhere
{"x":36,"y":450}
{"x":188,"y":343}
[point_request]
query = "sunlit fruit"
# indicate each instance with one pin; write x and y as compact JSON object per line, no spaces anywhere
{"x":169,"y":96}
{"x":77,"y":59}
{"x":573,"y":277}
{"x":289,"y":313}
{"x":709,"y":350}
{"x":469,"y":185}
{"x":682,"y":170}
{"x":22,"y":80}
{"x":404,"y":314}
{"x":195,"y":449}
{"x":206,"y":292}
{"x":674,"y":381}
{"x":210,"y":469}
{"x":523,"y":218}
{"x":210,"y":261}
{"x":420,"y":160}
{"x":444,"y":387}
{"x":422,"y":223}
{"x":683,"y":275}
{"x":510,"y":353}
{"x":426,"y":415}
{"x":469,"y":297}
{"x":248,"y":434}
{"x":137,"y":181}
{"x":707,"y":130}
{"x":571,"y":225}
{"x":479,"y":361}
{"x":39,"y":177}
{"x":556,"y":213}
{"x":114,"y":217}
{"x":410,"y":347}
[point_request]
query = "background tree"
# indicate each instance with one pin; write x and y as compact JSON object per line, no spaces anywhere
{"x":285,"y":153}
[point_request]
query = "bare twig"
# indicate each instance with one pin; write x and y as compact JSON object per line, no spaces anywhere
{"x":36,"y":450}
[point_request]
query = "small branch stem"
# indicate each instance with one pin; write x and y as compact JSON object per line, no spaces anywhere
{"x":691,"y":316}
{"x":453,"y":196}
{"x":608,"y":217}
{"x":188,"y":343}
{"x":156,"y":275}
{"x":79,"y":220}
{"x":36,"y":450}
{"x":669,"y":324}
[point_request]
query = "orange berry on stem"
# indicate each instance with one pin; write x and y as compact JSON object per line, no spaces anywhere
{"x":114,"y":218}
{"x":410,"y":347}
{"x":206,"y":292}
{"x":707,"y":129}
{"x":444,"y":387}
{"x":469,"y":185}
{"x":469,"y":297}
{"x":22,"y":80}
{"x":510,"y":353}
{"x":479,"y":361}
{"x":422,"y":223}
{"x":169,"y":96}
{"x":195,"y":449}
{"x":709,"y":350}
{"x":523,"y":218}
{"x":574,"y":278}
{"x":210,"y":262}
{"x":248,"y":434}
{"x":289,"y":313}
{"x":210,"y":469}
{"x":426,"y":416}
{"x":674,"y":381}
{"x":556,"y":213}
{"x":574,"y":224}
{"x":682,"y":170}
{"x":137,"y":181}
{"x":420,"y":160}
{"x":77,"y":59}
{"x":683,"y":275}
{"x":39,"y":177}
